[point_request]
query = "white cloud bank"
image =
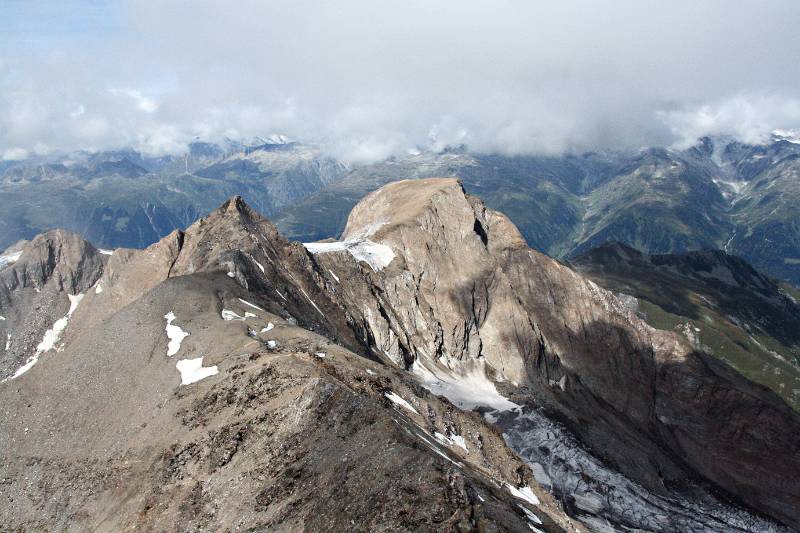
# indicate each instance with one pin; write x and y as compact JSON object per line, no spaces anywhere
{"x":366,"y":79}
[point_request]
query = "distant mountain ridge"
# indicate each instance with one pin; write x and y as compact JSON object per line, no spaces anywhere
{"x":126,"y":198}
{"x":719,"y":302}
{"x":719,"y":194}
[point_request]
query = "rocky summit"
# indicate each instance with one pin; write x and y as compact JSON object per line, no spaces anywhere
{"x":426,"y":372}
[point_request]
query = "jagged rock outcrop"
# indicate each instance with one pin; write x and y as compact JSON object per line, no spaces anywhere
{"x":37,"y":283}
{"x":285,"y":342}
{"x":463,"y":291}
{"x":186,"y":396}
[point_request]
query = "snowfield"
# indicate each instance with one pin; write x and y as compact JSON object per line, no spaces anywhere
{"x":397,"y":400}
{"x":51,"y":337}
{"x":468,"y":391}
{"x":175,"y":334}
{"x":227,"y":314}
{"x":377,"y":256}
{"x":192,"y":370}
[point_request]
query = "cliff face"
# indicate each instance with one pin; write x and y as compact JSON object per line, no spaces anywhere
{"x":281,"y":366}
{"x":463,"y":293}
{"x":40,"y":283}
{"x":190,"y":390}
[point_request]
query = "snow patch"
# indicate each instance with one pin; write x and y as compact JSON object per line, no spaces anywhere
{"x":245,"y":302}
{"x":524,"y":493}
{"x":530,"y":515}
{"x":435,"y":449}
{"x":370,"y":372}
{"x":175,"y":334}
{"x":192,"y":370}
{"x":334,"y":275}
{"x":270,"y":325}
{"x":231,"y":275}
{"x":377,"y":256}
{"x":105,"y":252}
{"x":312,"y":302}
{"x":321,"y":355}
{"x":51,"y":336}
{"x":272,"y":345}
{"x":8,"y":341}
{"x":458,"y":440}
{"x":227,"y":314}
{"x":452,"y":439}
{"x":98,"y":289}
{"x":467,"y":391}
{"x":397,"y":400}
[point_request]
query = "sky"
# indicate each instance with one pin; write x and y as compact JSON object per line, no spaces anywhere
{"x":368,"y":79}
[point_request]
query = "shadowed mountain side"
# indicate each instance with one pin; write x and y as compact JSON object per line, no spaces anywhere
{"x":454,"y":298}
{"x":430,"y":282}
{"x":719,"y":302}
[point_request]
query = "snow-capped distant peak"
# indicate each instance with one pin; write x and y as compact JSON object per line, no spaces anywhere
{"x":792,"y":136}
{"x":277,"y":138}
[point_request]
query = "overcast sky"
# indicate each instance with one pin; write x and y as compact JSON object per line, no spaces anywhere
{"x":369,"y":78}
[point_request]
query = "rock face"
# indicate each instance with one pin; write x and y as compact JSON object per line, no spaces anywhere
{"x":228,"y":378}
{"x":464,"y":291}
{"x":37,"y":285}
{"x":186,"y":396}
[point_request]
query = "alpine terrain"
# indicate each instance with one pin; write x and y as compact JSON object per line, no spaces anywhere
{"x":719,"y":194}
{"x":427,"y":371}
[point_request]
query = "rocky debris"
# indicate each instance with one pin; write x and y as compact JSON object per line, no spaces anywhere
{"x":599,"y":495}
{"x":35,"y":291}
{"x":105,"y":437}
{"x":283,"y":438}
{"x":464,"y":288}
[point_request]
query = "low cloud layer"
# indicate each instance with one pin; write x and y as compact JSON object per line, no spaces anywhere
{"x":366,"y":79}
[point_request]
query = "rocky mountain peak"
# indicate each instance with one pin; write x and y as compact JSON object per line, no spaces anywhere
{"x":414,"y":213}
{"x":236,"y":204}
{"x":458,"y":306}
{"x":39,"y":284}
{"x":71,"y":261}
{"x":466,"y":301}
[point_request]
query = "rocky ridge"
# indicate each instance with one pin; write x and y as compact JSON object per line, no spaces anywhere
{"x":205,"y":383}
{"x":658,"y":410}
{"x":426,"y":280}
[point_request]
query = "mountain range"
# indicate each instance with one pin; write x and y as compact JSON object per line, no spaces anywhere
{"x":428,"y":370}
{"x":719,"y":194}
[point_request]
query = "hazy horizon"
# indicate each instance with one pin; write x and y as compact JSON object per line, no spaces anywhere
{"x":365,"y":80}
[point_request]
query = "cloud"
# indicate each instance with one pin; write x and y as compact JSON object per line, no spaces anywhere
{"x":15,"y":154}
{"x":750,"y":118}
{"x":143,"y":103}
{"x":367,"y":79}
